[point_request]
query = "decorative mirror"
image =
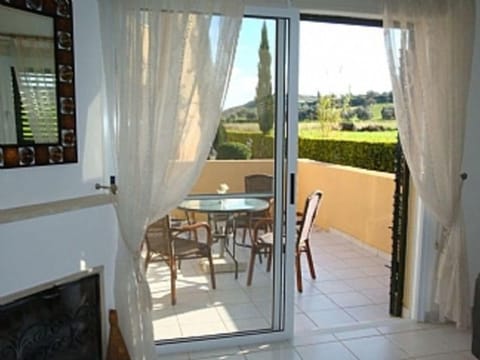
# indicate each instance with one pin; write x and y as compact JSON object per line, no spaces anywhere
{"x":37,"y":88}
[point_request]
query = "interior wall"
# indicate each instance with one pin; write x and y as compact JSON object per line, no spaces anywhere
{"x":471,"y":193}
{"x":46,"y":248}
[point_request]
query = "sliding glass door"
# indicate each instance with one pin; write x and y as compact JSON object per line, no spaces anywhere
{"x":246,"y":194}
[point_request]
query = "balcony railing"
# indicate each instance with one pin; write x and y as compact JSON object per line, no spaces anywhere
{"x":356,"y":202}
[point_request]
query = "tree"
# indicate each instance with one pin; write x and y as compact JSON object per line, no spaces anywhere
{"x":364,"y":113}
{"x":388,"y":113}
{"x":264,"y":97}
{"x":327,"y":113}
{"x":347,"y":114}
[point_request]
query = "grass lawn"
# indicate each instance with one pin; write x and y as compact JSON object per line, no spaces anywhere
{"x":312,"y":130}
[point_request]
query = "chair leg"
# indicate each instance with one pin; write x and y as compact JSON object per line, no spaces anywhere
{"x":310,"y":260}
{"x":173,"y":279}
{"x":244,"y":235}
{"x":269,"y":259}
{"x":212,"y":270}
{"x":147,"y":261}
{"x":251,"y":265}
{"x":298,"y":271}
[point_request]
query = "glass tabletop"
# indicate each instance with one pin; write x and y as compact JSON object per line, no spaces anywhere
{"x":224,"y":205}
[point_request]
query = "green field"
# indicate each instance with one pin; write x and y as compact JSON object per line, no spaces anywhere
{"x":312,"y":130}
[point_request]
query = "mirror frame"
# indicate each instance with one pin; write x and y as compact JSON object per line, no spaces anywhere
{"x":65,"y":151}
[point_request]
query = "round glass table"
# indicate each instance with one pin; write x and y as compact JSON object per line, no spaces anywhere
{"x":223,"y":209}
{"x":225,"y":205}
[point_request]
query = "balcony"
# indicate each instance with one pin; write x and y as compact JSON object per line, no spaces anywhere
{"x":351,"y":246}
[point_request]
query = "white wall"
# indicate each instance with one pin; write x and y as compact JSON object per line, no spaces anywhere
{"x":356,"y":8}
{"x":46,"y":248}
{"x":471,"y":193}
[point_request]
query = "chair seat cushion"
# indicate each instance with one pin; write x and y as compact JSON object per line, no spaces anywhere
{"x":266,"y":238}
{"x":185,"y":247}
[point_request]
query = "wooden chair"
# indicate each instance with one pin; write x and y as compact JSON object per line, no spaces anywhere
{"x":174,"y":244}
{"x":262,"y":242}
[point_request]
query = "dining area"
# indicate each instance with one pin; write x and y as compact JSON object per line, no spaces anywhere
{"x":351,"y":287}
{"x":229,"y":238}
{"x":207,"y":227}
{"x":351,"y":281}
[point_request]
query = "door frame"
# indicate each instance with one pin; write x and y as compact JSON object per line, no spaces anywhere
{"x":285,"y":175}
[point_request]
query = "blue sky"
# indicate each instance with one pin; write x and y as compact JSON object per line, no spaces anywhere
{"x":334,"y":58}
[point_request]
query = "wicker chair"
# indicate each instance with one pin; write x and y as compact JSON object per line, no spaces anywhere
{"x":174,"y":244}
{"x":260,"y":184}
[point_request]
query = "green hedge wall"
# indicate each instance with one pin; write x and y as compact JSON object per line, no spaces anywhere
{"x":365,"y":155}
{"x":262,"y":146}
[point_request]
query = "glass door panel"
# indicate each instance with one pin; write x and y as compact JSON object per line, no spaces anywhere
{"x":243,"y":194}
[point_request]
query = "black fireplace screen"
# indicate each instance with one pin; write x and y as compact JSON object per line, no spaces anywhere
{"x":60,"y":323}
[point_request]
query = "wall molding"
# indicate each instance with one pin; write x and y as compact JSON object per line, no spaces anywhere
{"x":53,"y":207}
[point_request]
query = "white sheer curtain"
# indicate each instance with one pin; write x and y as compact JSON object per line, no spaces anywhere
{"x":173,"y":60}
{"x":34,"y":60}
{"x":429,"y":46}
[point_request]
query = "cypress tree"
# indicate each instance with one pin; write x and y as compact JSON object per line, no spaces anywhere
{"x":264,"y":97}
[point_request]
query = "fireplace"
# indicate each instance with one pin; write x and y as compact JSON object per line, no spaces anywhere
{"x":60,"y":320}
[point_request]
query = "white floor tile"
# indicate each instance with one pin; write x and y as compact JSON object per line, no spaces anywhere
{"x":402,"y":325}
{"x":331,"y":318}
{"x":432,"y":342}
{"x":229,"y":353}
{"x":377,"y":296}
{"x":246,"y":324}
{"x":369,"y":312}
{"x":450,"y":356}
{"x":355,"y":334}
{"x":315,"y":303}
{"x":350,"y":299}
{"x":302,"y":323}
{"x":333,"y":287}
{"x":325,"y":351}
{"x":281,"y":354}
{"x":377,"y":347}
{"x":206,"y":315}
{"x":312,"y":339}
{"x":364,"y":283}
{"x":238,"y":311}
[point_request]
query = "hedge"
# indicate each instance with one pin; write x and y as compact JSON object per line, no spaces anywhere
{"x":233,"y":150}
{"x":365,"y":155}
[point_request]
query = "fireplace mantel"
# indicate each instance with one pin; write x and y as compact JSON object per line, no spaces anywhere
{"x":53,"y":207}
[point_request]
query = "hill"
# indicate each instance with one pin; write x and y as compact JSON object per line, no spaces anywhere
{"x":307,"y":106}
{"x":248,"y":111}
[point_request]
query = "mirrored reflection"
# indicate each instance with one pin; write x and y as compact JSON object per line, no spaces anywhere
{"x":28,"y":97}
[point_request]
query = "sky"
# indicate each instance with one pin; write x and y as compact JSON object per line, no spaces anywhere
{"x":333,"y":59}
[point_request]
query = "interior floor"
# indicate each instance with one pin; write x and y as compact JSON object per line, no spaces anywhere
{"x":392,"y":339}
{"x":342,"y":315}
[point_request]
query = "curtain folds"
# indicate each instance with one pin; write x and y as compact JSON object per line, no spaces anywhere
{"x":429,"y":46}
{"x":167,"y":66}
